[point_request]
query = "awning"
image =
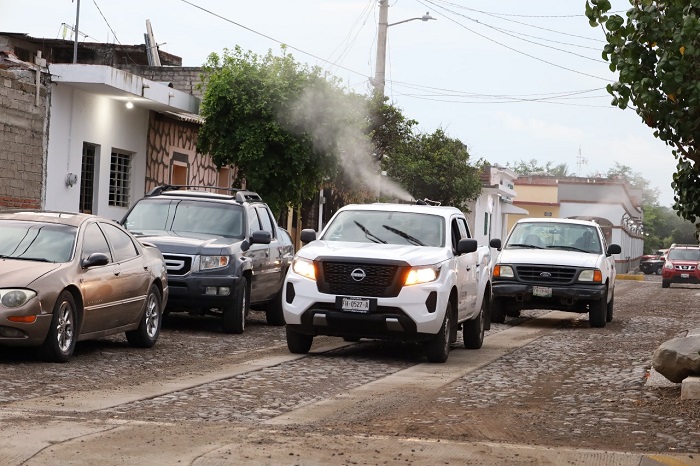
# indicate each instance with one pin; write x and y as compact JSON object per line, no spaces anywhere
{"x":511,"y":209}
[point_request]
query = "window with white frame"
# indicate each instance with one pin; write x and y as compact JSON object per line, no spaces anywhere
{"x":119,"y":178}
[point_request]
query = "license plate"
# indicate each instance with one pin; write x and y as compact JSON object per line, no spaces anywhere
{"x":542,"y":291}
{"x":355,"y":304}
{"x":685,"y":275}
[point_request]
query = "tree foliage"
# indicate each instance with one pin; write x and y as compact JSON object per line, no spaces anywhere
{"x":650,"y":195}
{"x":437,"y":167}
{"x":275,"y":120}
{"x":532,"y":167}
{"x":656,"y":52}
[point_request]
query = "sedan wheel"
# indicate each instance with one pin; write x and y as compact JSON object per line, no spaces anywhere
{"x":146,"y":335}
{"x":60,"y":340}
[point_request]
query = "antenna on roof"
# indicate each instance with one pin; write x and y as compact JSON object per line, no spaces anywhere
{"x":580,"y":162}
{"x":151,"y":46}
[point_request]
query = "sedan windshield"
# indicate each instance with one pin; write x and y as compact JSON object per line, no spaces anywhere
{"x":157,"y":215}
{"x":545,"y":235}
{"x":366,"y":226}
{"x":46,"y":242}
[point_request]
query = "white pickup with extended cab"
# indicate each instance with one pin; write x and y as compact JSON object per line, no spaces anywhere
{"x":390,"y":271}
{"x":555,"y":263}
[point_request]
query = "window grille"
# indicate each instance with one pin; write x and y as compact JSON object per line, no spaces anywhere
{"x":119,"y":179}
{"x":87,"y":178}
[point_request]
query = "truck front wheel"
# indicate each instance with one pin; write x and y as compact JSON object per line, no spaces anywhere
{"x":597,"y":311}
{"x":473,"y":330}
{"x":298,"y":343}
{"x":234,"y":312}
{"x":438,"y":348}
{"x":498,"y":311}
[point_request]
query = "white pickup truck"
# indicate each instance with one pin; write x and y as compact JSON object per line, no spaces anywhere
{"x":555,"y":263}
{"x":390,"y":271}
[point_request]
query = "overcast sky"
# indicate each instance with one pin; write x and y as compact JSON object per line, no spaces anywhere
{"x":513,"y":80}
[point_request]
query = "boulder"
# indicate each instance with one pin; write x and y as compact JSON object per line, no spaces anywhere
{"x":678,"y":358}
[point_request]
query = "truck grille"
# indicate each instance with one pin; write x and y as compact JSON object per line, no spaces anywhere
{"x":545,"y":274}
{"x":359,"y":279}
{"x":178,"y":264}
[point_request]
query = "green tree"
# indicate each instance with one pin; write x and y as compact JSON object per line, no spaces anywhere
{"x":650,"y":195}
{"x":656,"y":53}
{"x":533,"y":167}
{"x":276,"y":120}
{"x":436,"y":166}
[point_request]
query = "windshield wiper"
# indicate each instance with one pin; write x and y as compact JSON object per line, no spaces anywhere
{"x":38,"y":259}
{"x":520,"y":245}
{"x":369,"y":234}
{"x":405,"y":235}
{"x":568,"y":248}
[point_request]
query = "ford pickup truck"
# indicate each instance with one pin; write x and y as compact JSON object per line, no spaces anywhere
{"x":393,"y":272}
{"x":555,"y":263}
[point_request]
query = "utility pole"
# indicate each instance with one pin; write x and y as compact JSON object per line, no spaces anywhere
{"x":380,"y":73}
{"x":75,"y":44}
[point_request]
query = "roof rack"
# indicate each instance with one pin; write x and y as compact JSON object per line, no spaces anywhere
{"x":240,"y":195}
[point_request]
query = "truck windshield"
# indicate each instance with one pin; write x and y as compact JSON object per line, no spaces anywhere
{"x":366,"y":226}
{"x":150,"y":216}
{"x":545,"y":235}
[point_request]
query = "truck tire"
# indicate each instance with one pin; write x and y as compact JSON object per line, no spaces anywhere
{"x":597,"y":312}
{"x":438,"y":348}
{"x":298,"y":343}
{"x":498,"y":313}
{"x":234,"y":312}
{"x":609,"y":311}
{"x":273,"y":311}
{"x":473,"y":330}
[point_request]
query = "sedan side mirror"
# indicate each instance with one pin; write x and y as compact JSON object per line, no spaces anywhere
{"x":94,"y":260}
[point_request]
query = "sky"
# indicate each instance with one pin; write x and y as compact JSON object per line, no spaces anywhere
{"x":513,"y":80}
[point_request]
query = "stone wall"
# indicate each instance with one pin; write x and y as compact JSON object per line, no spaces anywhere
{"x":22,"y":142}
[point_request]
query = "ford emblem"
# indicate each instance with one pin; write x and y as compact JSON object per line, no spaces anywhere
{"x":358,"y":275}
{"x":546,"y":275}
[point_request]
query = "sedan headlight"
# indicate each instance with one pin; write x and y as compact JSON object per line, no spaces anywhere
{"x":591,"y":275}
{"x":304,"y":267}
{"x":503,"y":271}
{"x":12,"y":298}
{"x":213,"y":262}
{"x":418,"y":275}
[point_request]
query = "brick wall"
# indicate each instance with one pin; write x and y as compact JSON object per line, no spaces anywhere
{"x":184,"y":79}
{"x":22,"y":143}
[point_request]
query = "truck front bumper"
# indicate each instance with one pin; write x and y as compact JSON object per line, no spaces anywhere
{"x":520,"y":296}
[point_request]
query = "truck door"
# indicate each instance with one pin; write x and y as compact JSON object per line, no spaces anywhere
{"x":467,"y":270}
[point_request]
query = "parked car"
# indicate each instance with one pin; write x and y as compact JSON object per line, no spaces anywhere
{"x":393,"y":272}
{"x":224,"y":252}
{"x":652,"y":263}
{"x":682,"y":265}
{"x":555,"y":263}
{"x":66,"y":277}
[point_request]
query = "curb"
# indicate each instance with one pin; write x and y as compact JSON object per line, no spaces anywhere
{"x":627,"y":276}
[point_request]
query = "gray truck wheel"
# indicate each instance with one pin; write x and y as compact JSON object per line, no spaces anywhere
{"x":235,"y":310}
{"x":598,"y":311}
{"x":298,"y":343}
{"x":473,"y":330}
{"x":438,"y":348}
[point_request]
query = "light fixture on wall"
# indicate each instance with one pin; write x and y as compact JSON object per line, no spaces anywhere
{"x":129,"y":105}
{"x":71,"y":179}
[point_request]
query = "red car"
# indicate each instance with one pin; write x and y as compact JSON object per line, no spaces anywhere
{"x":682,"y":265}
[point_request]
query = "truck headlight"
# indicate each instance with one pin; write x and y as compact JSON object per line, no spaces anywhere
{"x":668,"y":265}
{"x":15,"y":298}
{"x":418,"y":275}
{"x":213,"y":262}
{"x":304,"y":267}
{"x":591,"y":275}
{"x":503,"y":271}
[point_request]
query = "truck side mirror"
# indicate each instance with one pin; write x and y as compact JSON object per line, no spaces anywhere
{"x":614,"y":249}
{"x":495,"y":243}
{"x":308,"y":235}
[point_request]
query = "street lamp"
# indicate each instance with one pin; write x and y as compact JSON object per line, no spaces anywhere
{"x":380,"y":74}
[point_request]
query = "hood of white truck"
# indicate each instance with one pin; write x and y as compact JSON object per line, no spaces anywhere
{"x":549,"y":257}
{"x":413,"y":255}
